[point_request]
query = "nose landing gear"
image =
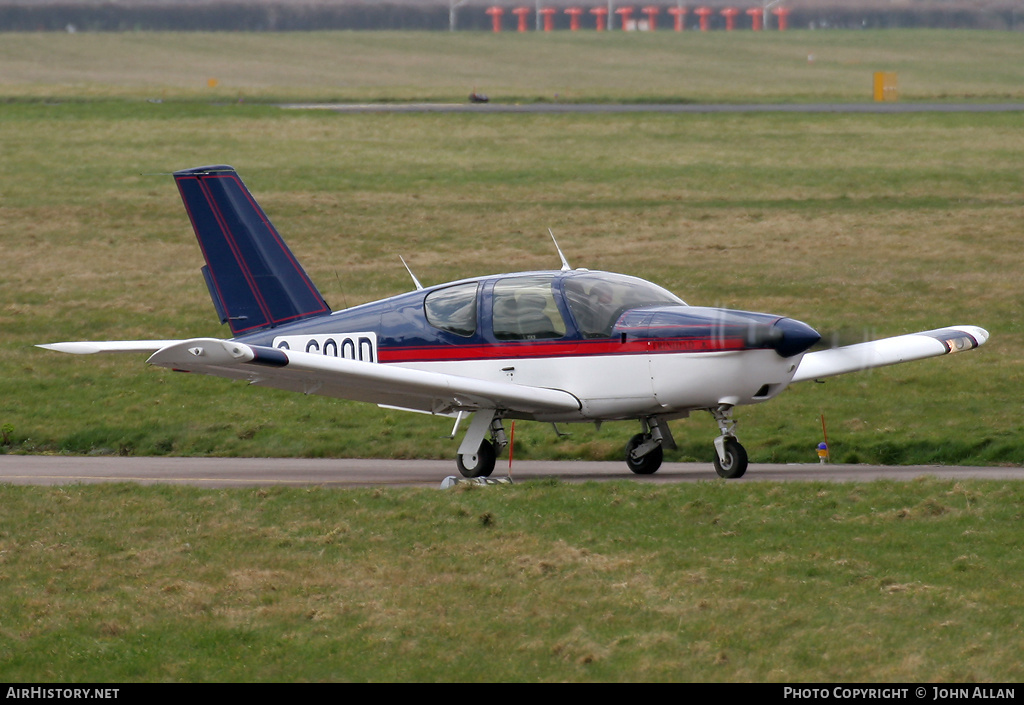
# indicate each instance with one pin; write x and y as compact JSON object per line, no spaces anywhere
{"x":730,"y":456}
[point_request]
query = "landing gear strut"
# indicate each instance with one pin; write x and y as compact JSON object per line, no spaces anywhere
{"x":730,"y":456}
{"x":481,"y":463}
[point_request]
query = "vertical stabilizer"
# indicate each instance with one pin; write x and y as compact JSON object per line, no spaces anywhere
{"x":254,"y":279}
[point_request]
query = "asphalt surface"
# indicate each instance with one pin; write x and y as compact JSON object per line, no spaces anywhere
{"x":556,"y":108}
{"x":254,"y":472}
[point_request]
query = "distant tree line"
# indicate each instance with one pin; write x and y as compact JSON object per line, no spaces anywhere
{"x":237,"y":16}
{"x":223,"y":16}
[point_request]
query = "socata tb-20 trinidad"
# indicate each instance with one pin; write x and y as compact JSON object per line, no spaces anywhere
{"x":555,"y":346}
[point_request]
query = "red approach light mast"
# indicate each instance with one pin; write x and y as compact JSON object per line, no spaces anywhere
{"x":704,"y":13}
{"x":574,"y":18}
{"x":679,"y":13}
{"x":522,"y":13}
{"x":495,"y":12}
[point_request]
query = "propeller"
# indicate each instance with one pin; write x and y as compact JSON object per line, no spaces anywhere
{"x":842,"y":337}
{"x":787,"y":336}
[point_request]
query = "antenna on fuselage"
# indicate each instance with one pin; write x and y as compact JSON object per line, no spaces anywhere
{"x":414,"y":279}
{"x":565,"y":265}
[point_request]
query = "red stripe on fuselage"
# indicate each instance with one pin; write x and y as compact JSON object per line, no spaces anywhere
{"x":534,"y":349}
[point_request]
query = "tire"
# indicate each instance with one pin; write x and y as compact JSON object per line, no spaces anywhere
{"x":735,"y":464}
{"x":647,"y":465}
{"x":479,"y":465}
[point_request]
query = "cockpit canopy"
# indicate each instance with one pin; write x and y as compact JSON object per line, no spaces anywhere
{"x":533,"y":306}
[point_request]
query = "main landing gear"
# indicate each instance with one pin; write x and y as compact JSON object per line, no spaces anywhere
{"x":481,"y":463}
{"x":644,"y":452}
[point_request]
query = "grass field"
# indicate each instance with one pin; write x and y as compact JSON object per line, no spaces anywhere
{"x":795,"y":66}
{"x":713,"y":582}
{"x":858,"y":224}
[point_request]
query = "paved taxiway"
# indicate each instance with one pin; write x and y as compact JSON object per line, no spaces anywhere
{"x":549,"y":108}
{"x":251,"y":472}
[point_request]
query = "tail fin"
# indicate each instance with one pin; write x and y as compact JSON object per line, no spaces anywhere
{"x":254,"y":279}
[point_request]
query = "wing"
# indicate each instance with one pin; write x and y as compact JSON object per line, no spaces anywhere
{"x":377,"y":383}
{"x":889,"y":351}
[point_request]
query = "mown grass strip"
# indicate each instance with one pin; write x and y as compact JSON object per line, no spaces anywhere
{"x":731,"y":67}
{"x":718,"y":581}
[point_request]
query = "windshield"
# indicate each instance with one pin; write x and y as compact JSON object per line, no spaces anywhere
{"x":597,"y":300}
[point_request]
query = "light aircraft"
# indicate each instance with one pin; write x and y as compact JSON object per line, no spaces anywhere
{"x":568,"y":345}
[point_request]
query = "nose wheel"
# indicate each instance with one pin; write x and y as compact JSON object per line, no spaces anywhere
{"x":730,"y":456}
{"x":731,"y":461}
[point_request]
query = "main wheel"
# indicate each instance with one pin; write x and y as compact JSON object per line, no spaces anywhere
{"x":646,"y":465}
{"x":480,"y":464}
{"x":735,"y":460}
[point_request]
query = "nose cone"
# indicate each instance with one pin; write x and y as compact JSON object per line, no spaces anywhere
{"x":791,"y":337}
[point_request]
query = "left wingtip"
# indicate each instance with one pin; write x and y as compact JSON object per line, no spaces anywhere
{"x":90,"y":347}
{"x":73,"y":348}
{"x":957,"y":338}
{"x":979,"y":334}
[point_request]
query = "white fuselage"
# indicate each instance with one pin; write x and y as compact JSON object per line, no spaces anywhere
{"x":629,"y":386}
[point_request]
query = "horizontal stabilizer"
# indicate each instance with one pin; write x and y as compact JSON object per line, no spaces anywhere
{"x":312,"y":373}
{"x":889,"y":351}
{"x":254,"y":279}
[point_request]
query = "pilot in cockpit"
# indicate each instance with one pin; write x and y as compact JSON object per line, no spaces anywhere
{"x":594,"y":317}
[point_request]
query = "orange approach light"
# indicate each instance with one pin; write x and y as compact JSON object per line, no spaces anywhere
{"x":548,"y":13}
{"x":730,"y":14}
{"x":652,"y":16}
{"x":704,"y":13}
{"x":574,"y":18}
{"x":783,"y":14}
{"x":625,"y":13}
{"x":522,"y":13}
{"x":679,"y":14}
{"x":756,"y":16}
{"x":495,"y":12}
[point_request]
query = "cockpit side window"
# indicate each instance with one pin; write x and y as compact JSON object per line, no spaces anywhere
{"x":524,"y":308}
{"x":453,"y":309}
{"x":598,"y":300}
